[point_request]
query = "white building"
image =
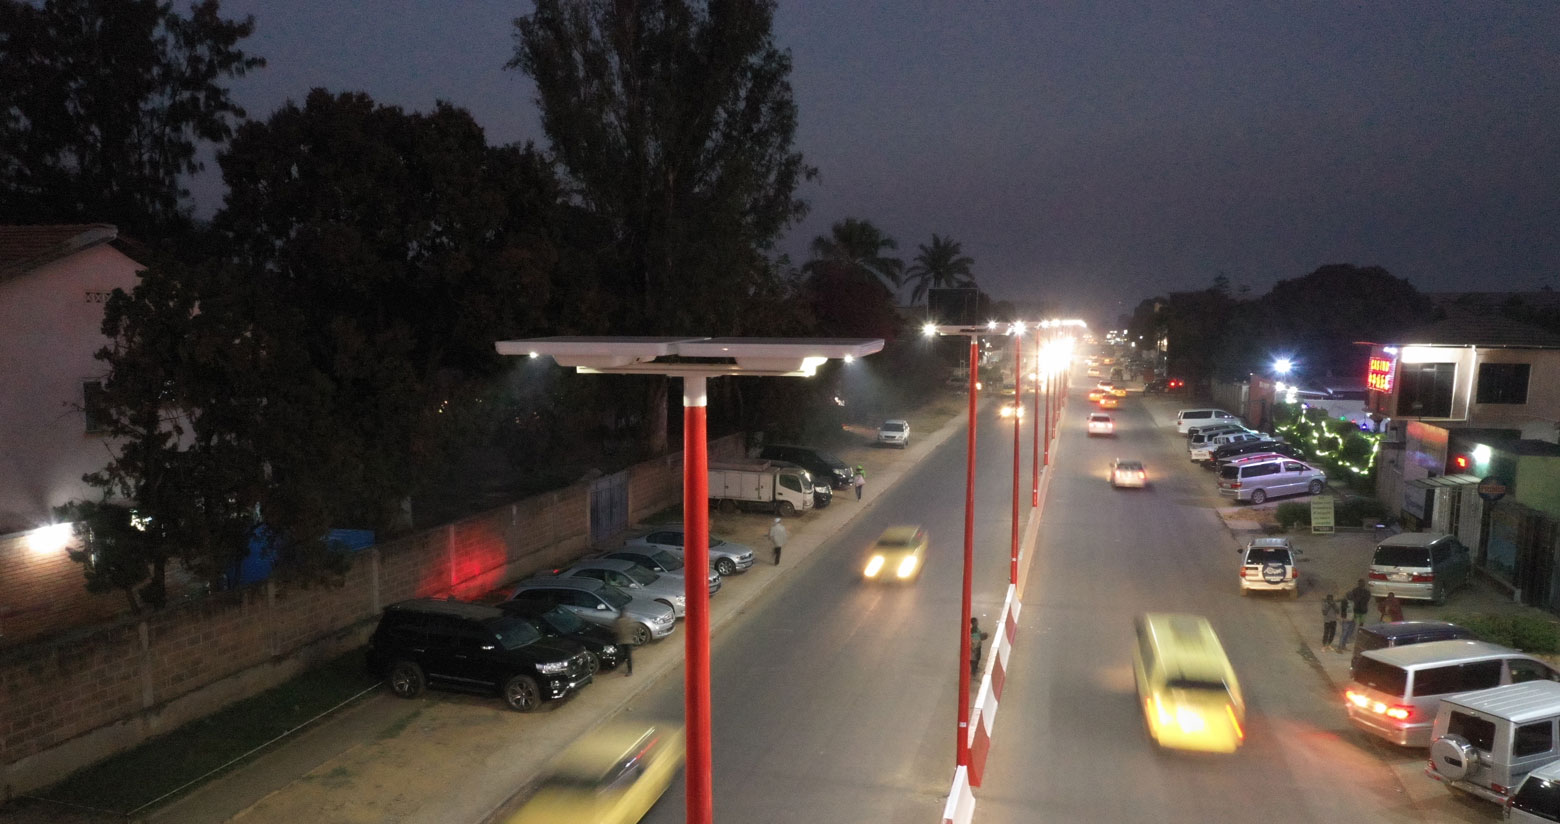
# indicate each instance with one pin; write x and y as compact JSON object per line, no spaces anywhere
{"x":54,"y":281}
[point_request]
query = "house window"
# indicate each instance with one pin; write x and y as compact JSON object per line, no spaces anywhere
{"x":1425,"y":389}
{"x":92,"y":406}
{"x":1503,"y":382}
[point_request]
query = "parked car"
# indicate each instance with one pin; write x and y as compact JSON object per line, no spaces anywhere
{"x":1394,"y":693}
{"x":1421,"y":566}
{"x":825,"y":468}
{"x":1537,"y":798}
{"x":612,"y":775}
{"x":1256,"y":481}
{"x":1268,"y":565}
{"x":1404,"y":633}
{"x":1484,"y":743}
{"x":1160,"y":385}
{"x":1203,"y":453}
{"x":1236,"y":450}
{"x":1188,"y":418}
{"x":453,"y":644}
{"x":1128,"y":473}
{"x":660,"y":562}
{"x":1201,"y":434}
{"x":726,"y":557}
{"x":600,"y":603}
{"x":1101,"y":424}
{"x":896,"y":555}
{"x":894,"y":432}
{"x":556,"y":622}
{"x":635,"y":580}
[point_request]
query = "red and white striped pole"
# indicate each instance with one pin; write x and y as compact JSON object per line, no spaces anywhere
{"x":696,"y":624}
{"x":962,"y":747}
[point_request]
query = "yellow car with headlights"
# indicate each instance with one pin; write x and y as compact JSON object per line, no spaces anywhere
{"x":1191,"y":698}
{"x":1010,"y":409}
{"x":897,"y":555}
{"x":613,"y":775}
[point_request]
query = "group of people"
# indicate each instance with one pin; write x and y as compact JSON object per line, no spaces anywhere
{"x":1347,"y":609}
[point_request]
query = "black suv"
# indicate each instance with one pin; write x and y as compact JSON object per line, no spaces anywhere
{"x":556,"y":622}
{"x":474,"y":647}
{"x":825,"y":468}
{"x":1235,"y":450}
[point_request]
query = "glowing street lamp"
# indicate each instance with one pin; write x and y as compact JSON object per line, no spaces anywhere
{"x":698,"y":360}
{"x":1283,"y":365}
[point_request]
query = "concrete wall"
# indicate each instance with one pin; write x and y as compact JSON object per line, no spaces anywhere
{"x":77,"y":697}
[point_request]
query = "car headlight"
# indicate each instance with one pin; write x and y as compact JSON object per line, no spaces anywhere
{"x":1189,"y":720}
{"x":874,"y":566}
{"x":906,"y":567}
{"x":553,"y":668}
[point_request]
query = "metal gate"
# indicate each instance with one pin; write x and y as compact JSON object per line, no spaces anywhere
{"x":608,"y":506}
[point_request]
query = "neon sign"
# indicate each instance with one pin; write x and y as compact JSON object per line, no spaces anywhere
{"x":1380,"y":374}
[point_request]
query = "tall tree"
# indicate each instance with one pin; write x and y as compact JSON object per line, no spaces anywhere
{"x":104,"y":103}
{"x":674,"y":124}
{"x":940,"y":265}
{"x":857,"y":245}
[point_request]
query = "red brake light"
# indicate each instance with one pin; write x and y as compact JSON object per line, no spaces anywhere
{"x":1424,"y":577}
{"x":1378,"y":576}
{"x":1401,"y":712}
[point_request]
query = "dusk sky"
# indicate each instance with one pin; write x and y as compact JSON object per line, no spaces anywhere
{"x":1093,"y":153}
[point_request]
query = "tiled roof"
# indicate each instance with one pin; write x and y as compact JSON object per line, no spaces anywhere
{"x":1477,"y":330}
{"x":24,"y":248}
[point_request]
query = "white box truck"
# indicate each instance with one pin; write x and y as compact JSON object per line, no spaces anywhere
{"x":783,"y":490}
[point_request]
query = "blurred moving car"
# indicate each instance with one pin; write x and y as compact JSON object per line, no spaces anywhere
{"x":613,"y":775}
{"x":1101,"y":424}
{"x":1119,"y":391}
{"x":1128,"y":473}
{"x":1011,"y":408}
{"x":726,"y":557}
{"x":897,"y":554}
{"x":1191,"y":697}
{"x":1096,"y":393}
{"x":894,"y":432}
{"x":1109,"y":402}
{"x":1268,"y":564}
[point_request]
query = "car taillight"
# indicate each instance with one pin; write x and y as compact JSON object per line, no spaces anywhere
{"x":1423,"y":577}
{"x":1400,"y":712}
{"x":1294,"y":573}
{"x":1235,"y":485}
{"x":1378,"y":576}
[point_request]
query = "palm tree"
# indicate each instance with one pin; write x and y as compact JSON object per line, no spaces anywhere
{"x":940,"y":265}
{"x":858,"y":245}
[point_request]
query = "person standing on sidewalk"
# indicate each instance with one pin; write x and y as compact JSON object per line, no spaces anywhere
{"x":859,"y":481}
{"x":625,"y":628}
{"x":777,"y":536}
{"x":1348,"y":618}
{"x":1360,"y":597}
{"x":1329,"y":620}
{"x":1391,"y":608}
{"x":976,"y":637}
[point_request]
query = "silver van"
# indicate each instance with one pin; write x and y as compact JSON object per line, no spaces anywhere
{"x":1263,"y":478}
{"x":1423,"y":566}
{"x":1486,"y":742}
{"x":1394,"y":693}
{"x":1188,"y":418}
{"x":1538,"y":796}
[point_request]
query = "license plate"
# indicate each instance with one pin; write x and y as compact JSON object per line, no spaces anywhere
{"x":1400,"y":576}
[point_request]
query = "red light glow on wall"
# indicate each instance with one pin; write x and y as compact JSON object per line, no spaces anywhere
{"x":1380,"y":374}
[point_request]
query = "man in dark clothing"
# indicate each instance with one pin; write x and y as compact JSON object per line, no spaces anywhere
{"x":976,"y":636}
{"x":1360,"y":598}
{"x":626,"y":629}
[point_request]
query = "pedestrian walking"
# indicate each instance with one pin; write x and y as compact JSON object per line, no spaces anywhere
{"x":1391,"y":608}
{"x":1348,"y":618}
{"x":777,"y":536}
{"x":859,"y":481}
{"x":976,"y":637}
{"x":626,"y":630}
{"x":1329,"y":620}
{"x":1360,"y":597}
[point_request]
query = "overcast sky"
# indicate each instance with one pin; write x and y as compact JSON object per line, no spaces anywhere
{"x":1093,"y":152}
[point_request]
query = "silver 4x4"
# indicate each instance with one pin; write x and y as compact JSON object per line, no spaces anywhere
{"x":1268,"y":564}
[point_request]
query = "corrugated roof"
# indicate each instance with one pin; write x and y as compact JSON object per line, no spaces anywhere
{"x":1476,"y":330}
{"x":24,"y":248}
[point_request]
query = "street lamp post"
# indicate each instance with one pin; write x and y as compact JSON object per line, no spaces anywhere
{"x":1018,"y":407}
{"x":699,"y":359}
{"x":1034,"y":457}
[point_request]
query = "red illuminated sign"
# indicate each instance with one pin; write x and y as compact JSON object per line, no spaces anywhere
{"x":1379,"y":377}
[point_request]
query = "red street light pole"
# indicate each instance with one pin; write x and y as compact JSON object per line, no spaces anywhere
{"x":1018,"y":408}
{"x":1034,"y":457}
{"x":696,"y":623}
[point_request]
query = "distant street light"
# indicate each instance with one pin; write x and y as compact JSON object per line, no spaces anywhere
{"x":1283,"y":365}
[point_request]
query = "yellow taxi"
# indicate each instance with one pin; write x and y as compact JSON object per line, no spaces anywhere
{"x":1096,"y":393}
{"x":613,"y":775}
{"x":1109,"y":402}
{"x":1118,"y":391}
{"x":897,"y":555}
{"x":1191,"y":698}
{"x":1011,"y":408}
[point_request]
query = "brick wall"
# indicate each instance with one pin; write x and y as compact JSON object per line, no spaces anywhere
{"x":72,"y":698}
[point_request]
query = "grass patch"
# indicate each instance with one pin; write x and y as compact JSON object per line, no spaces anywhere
{"x":1529,"y":633}
{"x":126,"y":782}
{"x":399,"y":726}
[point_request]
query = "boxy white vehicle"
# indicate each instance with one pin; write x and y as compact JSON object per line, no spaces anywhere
{"x":1486,"y":742}
{"x":1188,"y":418}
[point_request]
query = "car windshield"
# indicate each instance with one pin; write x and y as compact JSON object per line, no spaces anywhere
{"x":614,"y":596}
{"x":1130,"y":466}
{"x":668,"y":561}
{"x":1229,"y":472}
{"x":1267,"y":555}
{"x":640,"y":575}
{"x":514,"y":633}
{"x":562,"y":620}
{"x":896,"y":543}
{"x":1402,"y":556}
{"x":893,"y":427}
{"x":1198,"y":685}
{"x":1099,"y":418}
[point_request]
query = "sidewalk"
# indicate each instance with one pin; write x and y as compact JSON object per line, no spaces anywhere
{"x":449,"y":758}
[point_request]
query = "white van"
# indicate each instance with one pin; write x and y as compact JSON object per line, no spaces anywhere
{"x":1188,"y":418}
{"x":1484,"y":743}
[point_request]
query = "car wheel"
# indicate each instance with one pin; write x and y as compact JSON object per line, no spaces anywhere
{"x":726,"y":567}
{"x":592,"y":662}
{"x":728,"y":506}
{"x":406,"y":679}
{"x":785,"y":508}
{"x":1437,"y":595}
{"x":521,"y":694}
{"x":641,"y":635}
{"x":1258,"y":496}
{"x":1316,"y":487}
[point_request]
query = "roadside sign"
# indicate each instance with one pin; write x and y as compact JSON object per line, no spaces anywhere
{"x":1322,"y":514}
{"x":1491,"y":489}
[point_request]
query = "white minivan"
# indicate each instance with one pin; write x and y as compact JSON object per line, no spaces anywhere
{"x":1187,"y":418}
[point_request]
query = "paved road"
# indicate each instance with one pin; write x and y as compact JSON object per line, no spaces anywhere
{"x":1070,"y":744}
{"x":835,"y":701}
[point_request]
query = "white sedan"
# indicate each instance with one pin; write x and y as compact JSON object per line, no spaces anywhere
{"x":1101,"y":424}
{"x":1128,"y":473}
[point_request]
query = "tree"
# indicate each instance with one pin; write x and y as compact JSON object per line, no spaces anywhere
{"x":856,"y":245}
{"x":673,"y":123}
{"x":104,"y":103}
{"x":941,"y":265}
